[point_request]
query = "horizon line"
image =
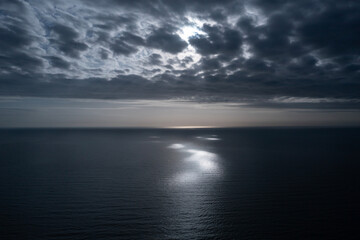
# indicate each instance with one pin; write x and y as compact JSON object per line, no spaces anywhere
{"x":179,"y":127}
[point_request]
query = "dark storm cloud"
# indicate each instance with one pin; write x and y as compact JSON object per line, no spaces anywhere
{"x":121,"y":47}
{"x":13,"y":37}
{"x":20,"y":62}
{"x":132,"y":38}
{"x":58,"y":62}
{"x":13,"y":41}
{"x":218,"y":41}
{"x":109,"y":22}
{"x":208,"y":64}
{"x":166,"y":40}
{"x":334,"y":31}
{"x":242,"y":50}
{"x":67,"y":41}
{"x":104,"y":54}
{"x":155,"y":59}
{"x":166,"y":9}
{"x":12,"y":5}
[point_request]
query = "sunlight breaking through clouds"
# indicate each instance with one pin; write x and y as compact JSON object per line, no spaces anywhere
{"x":189,"y":31}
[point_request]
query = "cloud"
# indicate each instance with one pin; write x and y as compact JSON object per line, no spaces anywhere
{"x":13,"y":37}
{"x":58,"y":62}
{"x":234,"y":50}
{"x":166,"y":40}
{"x":155,"y":59}
{"x":335,"y":30}
{"x":132,"y":39}
{"x":217,"y":41}
{"x":121,"y":47}
{"x":67,"y":41}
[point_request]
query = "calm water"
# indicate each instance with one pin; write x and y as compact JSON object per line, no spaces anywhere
{"x":180,"y":184}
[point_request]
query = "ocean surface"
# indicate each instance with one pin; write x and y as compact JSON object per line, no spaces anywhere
{"x":249,"y":183}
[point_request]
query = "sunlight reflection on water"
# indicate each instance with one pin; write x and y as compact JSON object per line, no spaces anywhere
{"x":205,"y":160}
{"x":192,"y":188}
{"x":212,"y":138}
{"x":176,"y":146}
{"x":204,"y":164}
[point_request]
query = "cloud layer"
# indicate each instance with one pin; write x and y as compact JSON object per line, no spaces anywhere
{"x":212,"y":51}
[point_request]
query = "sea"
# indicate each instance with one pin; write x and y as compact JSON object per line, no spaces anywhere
{"x":230,"y":183}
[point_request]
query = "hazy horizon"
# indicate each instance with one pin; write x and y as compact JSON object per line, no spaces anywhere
{"x":31,"y":112}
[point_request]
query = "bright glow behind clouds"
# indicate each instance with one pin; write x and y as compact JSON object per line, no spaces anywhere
{"x":189,"y":31}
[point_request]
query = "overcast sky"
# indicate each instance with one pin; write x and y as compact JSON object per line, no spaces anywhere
{"x":119,"y":63}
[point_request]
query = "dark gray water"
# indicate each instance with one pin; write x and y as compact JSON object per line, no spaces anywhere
{"x":180,"y":184}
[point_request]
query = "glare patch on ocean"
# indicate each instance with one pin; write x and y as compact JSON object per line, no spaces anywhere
{"x":209,"y":138}
{"x":205,"y":160}
{"x":204,"y":165}
{"x":176,"y":146}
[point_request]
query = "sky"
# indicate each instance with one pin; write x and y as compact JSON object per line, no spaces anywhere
{"x":170,"y":63}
